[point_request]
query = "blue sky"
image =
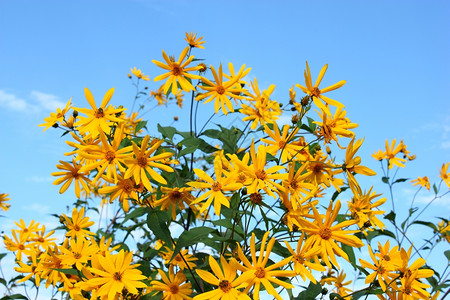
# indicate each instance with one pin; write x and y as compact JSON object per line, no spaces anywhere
{"x":393,"y":54}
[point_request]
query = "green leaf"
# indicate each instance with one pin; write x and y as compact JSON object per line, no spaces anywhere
{"x":334,"y":296}
{"x":385,"y":179}
{"x":139,"y":126}
{"x":390,"y":216}
{"x":212,"y":133}
{"x":191,"y":237}
{"x":311,"y":292}
{"x":400,"y":180}
{"x":435,"y":188}
{"x":2,"y":255}
{"x":68,"y":271}
{"x":167,"y":132}
{"x":447,"y":254}
{"x":157,"y":222}
{"x":350,"y":253}
{"x":429,"y":224}
{"x":136,"y":213}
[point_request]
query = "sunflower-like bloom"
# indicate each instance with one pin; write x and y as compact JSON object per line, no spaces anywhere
{"x":333,"y":126}
{"x":49,"y":264}
{"x":221,"y":91}
{"x":177,"y":72}
{"x":391,"y":154}
{"x":225,"y":280}
{"x":363,"y":210}
{"x":56,"y":117}
{"x":322,"y":233}
{"x":32,"y":268}
{"x":352,"y":164}
{"x":302,"y":259}
{"x":259,"y":271}
{"x":124,"y":189}
{"x":422,"y":181}
{"x":382,"y":271}
{"x":173,"y":287}
{"x":78,"y":253}
{"x":215,"y":188}
{"x":143,"y":162}
{"x":444,"y":230}
{"x":3,"y":198}
{"x":175,"y":197}
{"x":43,"y":239}
{"x":77,"y":224}
{"x":107,"y":157}
{"x":444,"y":174}
{"x":193,"y":41}
{"x":261,"y":178}
{"x":19,"y":242}
{"x":159,"y":95}
{"x":261,"y":110}
{"x":281,"y":143}
{"x":116,"y":274}
{"x":297,"y":186}
{"x":315,"y":92}
{"x":102,"y":117}
{"x":137,"y":72}
{"x":71,"y":172}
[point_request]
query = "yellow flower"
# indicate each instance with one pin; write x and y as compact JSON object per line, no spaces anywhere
{"x":302,"y":259}
{"x":363,"y":211}
{"x":144,"y":162}
{"x":102,"y":117}
{"x":322,"y":233}
{"x":422,"y":181}
{"x":3,"y":198}
{"x":382,"y":272}
{"x":19,"y":243}
{"x":315,"y":92}
{"x":107,"y":157}
{"x":391,"y":153}
{"x":125,"y":189}
{"x":352,"y":164}
{"x":78,"y":253}
{"x":175,"y":197}
{"x":297,"y":185}
{"x":444,"y":230}
{"x":192,"y":40}
{"x":77,"y":224}
{"x":56,"y":117}
{"x":333,"y":126}
{"x":444,"y":174}
{"x":115,"y":275}
{"x":260,"y":273}
{"x":225,"y":280}
{"x":137,"y":72}
{"x":178,"y":72}
{"x":281,"y":143}
{"x":159,"y":95}
{"x":216,"y":188}
{"x":172,"y":287}
{"x":71,"y":172}
{"x":32,"y":269}
{"x":261,"y":110}
{"x":221,"y":91}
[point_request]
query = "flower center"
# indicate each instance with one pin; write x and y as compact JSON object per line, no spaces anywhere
{"x":325,"y":233}
{"x":293,"y":185}
{"x":260,"y":174}
{"x":75,"y":173}
{"x":142,"y":161}
{"x":127,"y":186}
{"x":256,"y":198}
{"x":315,"y":92}
{"x":281,"y":144}
{"x":173,"y":289}
{"x":225,"y":286}
{"x":76,"y":227}
{"x":220,"y":90}
{"x":109,"y":156}
{"x":176,"y":70}
{"x":299,"y":258}
{"x":175,"y":195}
{"x":260,"y":272}
{"x":216,"y":187}
{"x":77,"y":255}
{"x":386,"y":258}
{"x":117,"y":276}
{"x":99,"y":113}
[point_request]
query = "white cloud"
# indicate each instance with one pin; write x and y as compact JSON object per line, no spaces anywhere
{"x":47,"y":101}
{"x":37,"y":208}
{"x":38,"y":179}
{"x":35,"y":102}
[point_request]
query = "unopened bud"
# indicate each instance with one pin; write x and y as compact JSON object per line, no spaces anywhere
{"x":75,"y":114}
{"x":295,"y":119}
{"x":305,"y":100}
{"x":202,"y":68}
{"x":55,"y":125}
{"x":328,"y":150}
{"x":256,"y":198}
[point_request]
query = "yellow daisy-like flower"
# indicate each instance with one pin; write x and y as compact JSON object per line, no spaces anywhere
{"x":444,"y":174}
{"x":124,"y":189}
{"x":175,"y":197}
{"x":221,"y":91}
{"x":32,"y":268}
{"x":143,"y":163}
{"x":56,"y":117}
{"x":322,"y":233}
{"x":422,"y":181}
{"x":259,"y":271}
{"x":352,"y":164}
{"x":78,"y":253}
{"x":70,"y":173}
{"x":77,"y":224}
{"x":391,"y":152}
{"x":383,"y":273}
{"x":137,"y":72}
{"x":173,"y":287}
{"x":335,"y":125}
{"x":3,"y":198}
{"x":159,"y":95}
{"x":314,"y":90}
{"x":178,"y":72}
{"x":193,"y":41}
{"x":116,"y":274}
{"x":216,"y":188}
{"x":363,"y":210}
{"x":102,"y":117}
{"x":281,"y":143}
{"x":225,"y":280}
